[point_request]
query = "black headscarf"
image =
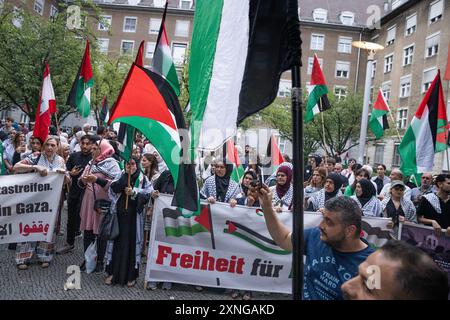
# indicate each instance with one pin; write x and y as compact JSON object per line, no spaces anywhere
{"x":135,"y":175}
{"x":222,"y":183}
{"x":368,"y":191}
{"x":244,"y":188}
{"x":337,"y":185}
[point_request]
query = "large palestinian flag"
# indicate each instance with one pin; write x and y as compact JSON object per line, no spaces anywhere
{"x":274,"y":154}
{"x":317,"y":90}
{"x":378,"y":119}
{"x":80,"y":94}
{"x":239,"y":50}
{"x":149,"y":103}
{"x":162,"y":62}
{"x":426,"y":135}
{"x":232,"y":157}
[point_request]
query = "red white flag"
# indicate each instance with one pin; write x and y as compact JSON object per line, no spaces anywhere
{"x":46,"y":107}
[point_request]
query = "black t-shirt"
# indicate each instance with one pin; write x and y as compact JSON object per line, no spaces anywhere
{"x":81,"y":160}
{"x":426,"y":210}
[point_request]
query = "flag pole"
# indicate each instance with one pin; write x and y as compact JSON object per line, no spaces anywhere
{"x":56,"y":120}
{"x":324,"y":140}
{"x":129,"y":185}
{"x":297,"y":140}
{"x":396,"y":128}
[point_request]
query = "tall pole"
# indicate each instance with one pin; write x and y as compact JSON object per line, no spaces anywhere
{"x":297,"y":221}
{"x":365,"y":114}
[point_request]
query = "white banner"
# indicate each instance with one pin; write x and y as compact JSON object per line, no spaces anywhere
{"x":29,"y":206}
{"x":236,"y":252}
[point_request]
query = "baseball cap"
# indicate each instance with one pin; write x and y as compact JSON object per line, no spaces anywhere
{"x":397,"y":183}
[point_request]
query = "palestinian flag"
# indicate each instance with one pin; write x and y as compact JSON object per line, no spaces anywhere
{"x":46,"y":106}
{"x":162,"y":62}
{"x":160,"y":124}
{"x":378,"y":119}
{"x":274,"y":153}
{"x":176,"y":225}
{"x":317,"y":91}
{"x":2,"y":162}
{"x":254,"y":238}
{"x":80,"y":94}
{"x":231,"y":155}
{"x":104,"y":112}
{"x":140,"y":55}
{"x":239,"y":50}
{"x":125,"y":139}
{"x":426,"y":135}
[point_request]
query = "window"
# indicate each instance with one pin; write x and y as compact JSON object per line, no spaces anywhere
{"x":23,"y":117}
{"x":388,"y":62}
{"x":284,"y":89}
{"x":428,"y":77}
{"x":150,"y":50}
{"x":386,"y":89}
{"x":311,"y":62}
{"x":436,"y":10}
{"x":402,"y":118}
{"x":374,"y":69}
{"x":17,"y":19}
{"x":127,"y":47}
{"x":282,"y":144}
{"x":396,"y":4}
{"x":103,"y":44}
{"x":182,"y":28}
{"x":396,"y":161}
{"x":317,"y":41}
{"x":39,"y":6}
{"x":379,"y":153}
{"x":53,"y":11}
{"x":411,"y":23}
{"x":390,"y":39}
{"x":155,"y":24}
{"x":178,"y":52}
{"x":345,"y":45}
{"x":340,"y":92}
{"x":405,"y":86}
{"x":408,"y":54}
{"x":129,"y":24}
{"x":105,"y":23}
{"x":432,"y":45}
{"x":159,"y":3}
{"x":186,"y":4}
{"x":347,"y":18}
{"x":342,"y":69}
{"x":320,"y":15}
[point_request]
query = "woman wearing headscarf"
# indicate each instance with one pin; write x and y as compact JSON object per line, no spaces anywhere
{"x":283,"y":190}
{"x":248,"y":178}
{"x":365,"y":196}
{"x":42,"y":162}
{"x":332,"y":188}
{"x":219,"y":187}
{"x":95,"y":180}
{"x":123,"y":256}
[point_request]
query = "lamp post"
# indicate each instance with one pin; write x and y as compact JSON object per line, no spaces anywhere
{"x":371,"y":48}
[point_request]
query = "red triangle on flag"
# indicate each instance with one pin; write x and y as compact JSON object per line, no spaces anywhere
{"x":204,"y":218}
{"x":317,"y":77}
{"x":381,"y":103}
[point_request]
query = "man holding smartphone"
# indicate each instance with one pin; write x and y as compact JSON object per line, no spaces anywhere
{"x":75,"y":165}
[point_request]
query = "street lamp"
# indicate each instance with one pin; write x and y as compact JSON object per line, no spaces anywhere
{"x":371,"y":48}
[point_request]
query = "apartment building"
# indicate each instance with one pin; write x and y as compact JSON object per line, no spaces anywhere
{"x":415,"y":36}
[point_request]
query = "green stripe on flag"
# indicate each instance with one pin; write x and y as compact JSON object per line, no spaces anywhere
{"x":407,"y":151}
{"x":313,"y":100}
{"x":184,"y":230}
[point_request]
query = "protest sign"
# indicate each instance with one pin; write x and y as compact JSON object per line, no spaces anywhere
{"x":29,"y":206}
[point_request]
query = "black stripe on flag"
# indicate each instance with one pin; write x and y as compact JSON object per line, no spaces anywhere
{"x":433,"y":108}
{"x":252,"y":232}
{"x":385,"y":122}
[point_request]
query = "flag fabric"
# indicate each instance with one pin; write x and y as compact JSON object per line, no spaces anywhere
{"x":140,"y":55}
{"x":274,"y":153}
{"x":378,"y":119}
{"x":426,"y":135}
{"x":177,"y":225}
{"x":80,"y":94}
{"x":46,"y":106}
{"x":231,"y":155}
{"x":104,"y":112}
{"x":125,"y":139}
{"x":254,"y":238}
{"x":2,"y":161}
{"x":160,"y":124}
{"x":317,"y":93}
{"x":239,"y":51}
{"x":162,"y":62}
{"x":447,"y":70}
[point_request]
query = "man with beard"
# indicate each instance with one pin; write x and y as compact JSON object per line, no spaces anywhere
{"x":75,"y":165}
{"x":334,"y":250}
{"x":434,"y":209}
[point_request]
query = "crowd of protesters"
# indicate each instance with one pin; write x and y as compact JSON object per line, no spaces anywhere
{"x":343,"y":193}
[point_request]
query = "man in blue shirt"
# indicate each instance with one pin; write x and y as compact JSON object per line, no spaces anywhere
{"x":334,"y":250}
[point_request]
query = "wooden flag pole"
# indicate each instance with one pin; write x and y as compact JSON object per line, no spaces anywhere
{"x":129,"y":181}
{"x":56,"y":119}
{"x":396,"y":128}
{"x":324,"y":140}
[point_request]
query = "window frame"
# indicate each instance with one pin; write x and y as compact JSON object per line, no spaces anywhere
{"x":319,"y":36}
{"x":346,"y":44}
{"x":410,"y":57}
{"x":406,"y":25}
{"x":402,"y":82}
{"x":125,"y":23}
{"x":41,"y":4}
{"x":121,"y":47}
{"x":100,"y":24}
{"x":438,"y":17}
{"x":391,"y":55}
{"x":336,"y":69}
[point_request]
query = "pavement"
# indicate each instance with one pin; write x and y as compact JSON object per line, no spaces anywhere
{"x":48,"y":284}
